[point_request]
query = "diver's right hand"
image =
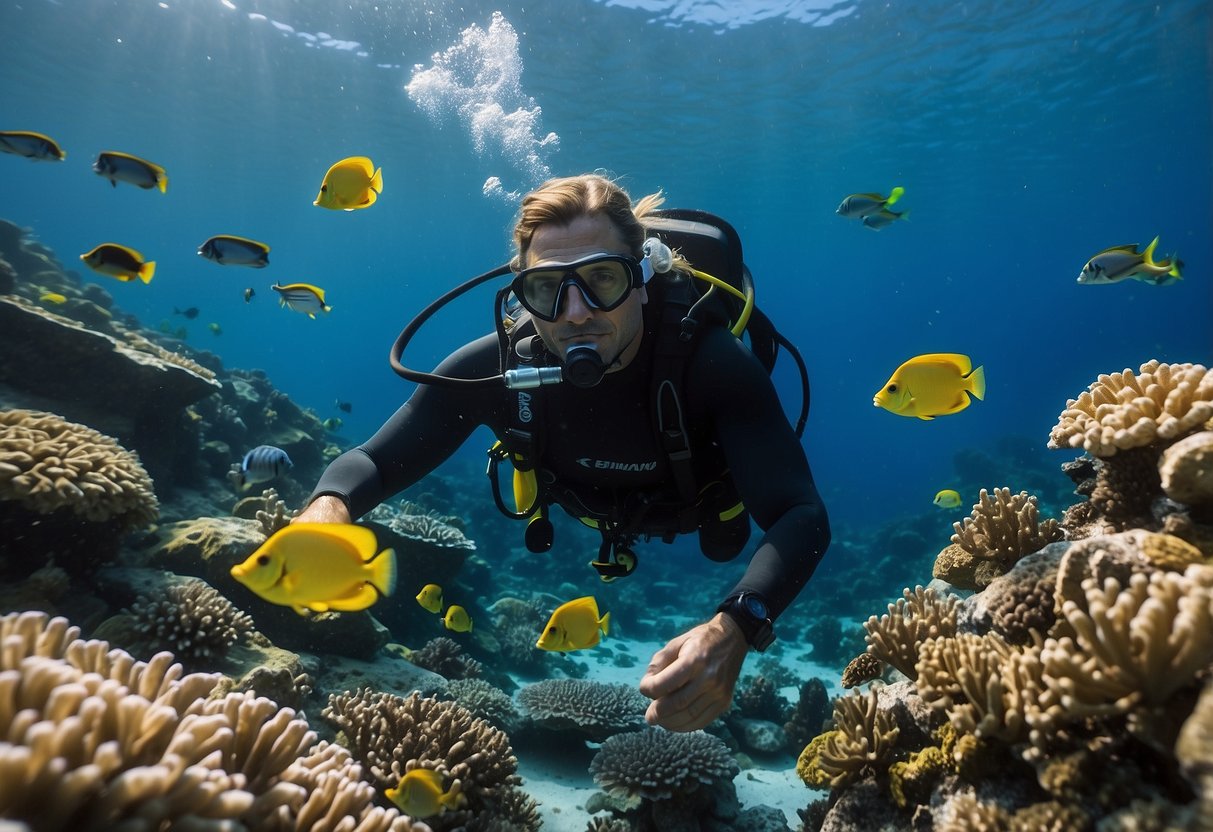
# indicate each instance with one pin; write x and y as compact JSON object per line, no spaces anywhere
{"x":324,"y":509}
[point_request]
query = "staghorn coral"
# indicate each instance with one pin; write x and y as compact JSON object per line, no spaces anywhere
{"x":95,"y":740}
{"x":275,"y":516}
{"x":47,"y":464}
{"x":596,"y":709}
{"x":999,"y":531}
{"x":915,"y":617}
{"x":192,"y":621}
{"x":445,"y":657}
{"x":863,"y":668}
{"x":863,"y":741}
{"x":1159,"y":403}
{"x":1133,"y":644}
{"x":392,"y":735}
{"x":656,"y":765}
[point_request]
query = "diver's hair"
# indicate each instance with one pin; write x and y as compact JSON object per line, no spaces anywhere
{"x":560,"y":201}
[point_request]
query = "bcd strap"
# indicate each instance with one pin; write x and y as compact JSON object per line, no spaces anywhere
{"x":675,"y":343}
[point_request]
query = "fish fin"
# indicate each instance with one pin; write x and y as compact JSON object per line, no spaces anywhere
{"x":895,"y":195}
{"x":1176,"y":265}
{"x":977,"y":382}
{"x":361,"y":598}
{"x":147,"y":270}
{"x":904,"y":215}
{"x":113,"y":183}
{"x":604,"y":624}
{"x":312,"y":316}
{"x":925,"y":418}
{"x":383,"y":571}
{"x":958,"y":360}
{"x":162,"y":184}
{"x":377,"y":182}
{"x":1147,"y":256}
{"x":290,"y":581}
{"x":301,"y":610}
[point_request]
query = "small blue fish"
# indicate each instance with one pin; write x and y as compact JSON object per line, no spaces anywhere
{"x":262,"y":464}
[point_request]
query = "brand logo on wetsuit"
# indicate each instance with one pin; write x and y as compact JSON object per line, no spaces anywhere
{"x":612,"y":465}
{"x":524,"y":407}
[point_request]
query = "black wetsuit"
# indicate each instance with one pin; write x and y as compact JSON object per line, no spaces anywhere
{"x":599,"y":445}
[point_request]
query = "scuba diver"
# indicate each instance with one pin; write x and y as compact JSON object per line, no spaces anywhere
{"x":617,"y":396}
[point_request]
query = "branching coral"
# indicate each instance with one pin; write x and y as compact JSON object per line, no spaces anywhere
{"x":655,"y":764}
{"x":192,"y":621}
{"x":392,"y":735}
{"x":917,"y":616}
{"x":1159,"y":403}
{"x":47,"y":464}
{"x":863,"y":741}
{"x":596,"y":709}
{"x":1004,"y":528}
{"x":95,"y":740}
{"x":445,"y":657}
{"x":1133,"y":644}
{"x":275,"y":515}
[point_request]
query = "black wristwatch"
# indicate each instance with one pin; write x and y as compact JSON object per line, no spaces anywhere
{"x":750,"y":612}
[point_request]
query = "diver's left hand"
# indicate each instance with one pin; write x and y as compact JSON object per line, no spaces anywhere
{"x":691,"y":679}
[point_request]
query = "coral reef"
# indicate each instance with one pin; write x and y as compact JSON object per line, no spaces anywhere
{"x":862,"y":741}
{"x":392,"y":735}
{"x":445,"y":657}
{"x":595,"y":709}
{"x":485,"y":701}
{"x":1000,"y":530}
{"x":894,"y":638}
{"x":96,"y":740}
{"x":1186,"y":471}
{"x":192,"y":621}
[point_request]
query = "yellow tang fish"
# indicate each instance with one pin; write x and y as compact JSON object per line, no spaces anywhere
{"x":302,"y":297}
{"x":1118,"y":263}
{"x":574,"y":625}
{"x":857,"y":206}
{"x":123,"y":167}
{"x":420,"y":794}
{"x":457,"y":619}
{"x":320,"y":567}
{"x":31,"y":145}
{"x":53,"y":297}
{"x":120,"y":262}
{"x":349,"y":184}
{"x":947,"y":498}
{"x":430,"y":598}
{"x":932,"y":385}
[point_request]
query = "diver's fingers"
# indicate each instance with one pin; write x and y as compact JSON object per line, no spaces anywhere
{"x":667,"y":671}
{"x":685,"y":710}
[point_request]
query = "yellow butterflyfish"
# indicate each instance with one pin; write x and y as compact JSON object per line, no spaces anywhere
{"x":123,"y":167}
{"x":936,"y":384}
{"x":457,"y":619}
{"x":302,"y":297}
{"x":947,"y":498}
{"x":350,"y":184}
{"x":320,"y":567}
{"x":421,"y":795}
{"x":574,"y":625}
{"x":430,"y":598}
{"x":31,"y":145}
{"x":119,"y":262}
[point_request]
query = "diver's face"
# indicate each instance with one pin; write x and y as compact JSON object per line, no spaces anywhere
{"x":614,"y":334}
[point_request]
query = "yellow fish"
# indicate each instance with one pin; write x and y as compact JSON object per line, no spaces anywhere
{"x":120,"y":262}
{"x":857,"y":206}
{"x":420,"y":794}
{"x":53,"y":297}
{"x":947,"y":498}
{"x":351,"y":183}
{"x":31,"y":145}
{"x":320,"y":567}
{"x":574,"y":625}
{"x":430,"y":598}
{"x":123,"y":167}
{"x":932,"y":385}
{"x":457,"y":619}
{"x":302,"y":297}
{"x":1118,"y":263}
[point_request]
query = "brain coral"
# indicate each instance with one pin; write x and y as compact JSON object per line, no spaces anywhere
{"x":1161,"y":402}
{"x":47,"y":464}
{"x":593,"y":708}
{"x":655,"y":764}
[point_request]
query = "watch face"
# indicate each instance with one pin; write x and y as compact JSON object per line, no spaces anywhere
{"x":755,"y":607}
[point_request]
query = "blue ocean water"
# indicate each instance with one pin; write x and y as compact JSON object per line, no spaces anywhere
{"x":1028,"y":137}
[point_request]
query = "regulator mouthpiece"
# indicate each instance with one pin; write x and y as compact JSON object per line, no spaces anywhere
{"x":583,"y":366}
{"x":658,"y":259}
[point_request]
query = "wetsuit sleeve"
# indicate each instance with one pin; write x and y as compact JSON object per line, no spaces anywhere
{"x":422,"y":434}
{"x":768,"y":466}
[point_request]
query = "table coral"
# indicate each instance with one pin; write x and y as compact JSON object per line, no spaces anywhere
{"x":596,"y":709}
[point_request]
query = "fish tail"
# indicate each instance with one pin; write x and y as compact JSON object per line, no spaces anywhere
{"x":894,"y":195}
{"x":147,"y":270}
{"x":1176,"y":265}
{"x":904,"y":215}
{"x":377,"y":181}
{"x":977,"y":382}
{"x":604,"y":624}
{"x":162,"y":184}
{"x":383,"y":571}
{"x":1147,"y":256}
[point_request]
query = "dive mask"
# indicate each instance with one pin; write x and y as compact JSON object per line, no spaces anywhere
{"x":605,"y":281}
